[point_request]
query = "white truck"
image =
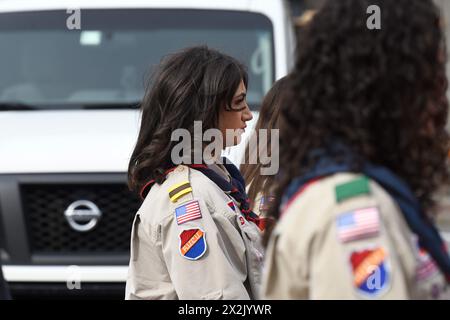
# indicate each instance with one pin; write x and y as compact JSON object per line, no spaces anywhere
{"x":72,"y":74}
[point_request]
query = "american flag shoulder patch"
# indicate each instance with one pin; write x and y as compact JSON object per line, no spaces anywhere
{"x":187,"y":212}
{"x":358,"y":224}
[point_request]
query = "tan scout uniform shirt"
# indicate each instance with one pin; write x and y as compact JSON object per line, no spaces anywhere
{"x":317,"y":251}
{"x":228,"y":263}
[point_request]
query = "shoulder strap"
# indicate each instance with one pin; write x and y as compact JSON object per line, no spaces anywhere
{"x":179,"y":184}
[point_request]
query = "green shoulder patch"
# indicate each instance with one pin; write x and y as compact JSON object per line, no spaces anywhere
{"x":352,"y":189}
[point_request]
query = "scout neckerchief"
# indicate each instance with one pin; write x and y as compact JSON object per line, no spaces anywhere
{"x":235,"y":188}
{"x":418,"y":222}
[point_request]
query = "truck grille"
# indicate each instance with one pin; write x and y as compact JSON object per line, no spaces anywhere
{"x":49,"y":232}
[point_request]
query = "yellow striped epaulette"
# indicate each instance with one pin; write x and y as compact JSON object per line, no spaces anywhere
{"x":178,"y":190}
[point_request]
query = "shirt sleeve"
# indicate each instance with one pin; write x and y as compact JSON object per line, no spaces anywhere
{"x":204,"y":252}
{"x":356,"y":256}
{"x":354,"y":250}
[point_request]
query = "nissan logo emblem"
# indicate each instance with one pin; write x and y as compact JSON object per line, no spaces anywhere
{"x":82,"y":215}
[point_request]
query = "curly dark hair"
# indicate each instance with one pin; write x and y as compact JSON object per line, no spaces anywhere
{"x":190,"y":85}
{"x":381,"y":92}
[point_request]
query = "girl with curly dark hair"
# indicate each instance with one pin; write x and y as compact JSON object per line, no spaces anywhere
{"x":363,"y":150}
{"x":194,"y":237}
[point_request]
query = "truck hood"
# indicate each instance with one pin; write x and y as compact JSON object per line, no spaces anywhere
{"x":70,"y":141}
{"x":67,"y":141}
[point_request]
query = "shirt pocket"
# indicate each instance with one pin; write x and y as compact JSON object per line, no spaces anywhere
{"x":252,"y":240}
{"x":216,"y":295}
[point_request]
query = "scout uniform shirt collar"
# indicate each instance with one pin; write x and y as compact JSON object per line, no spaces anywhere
{"x":220,"y":170}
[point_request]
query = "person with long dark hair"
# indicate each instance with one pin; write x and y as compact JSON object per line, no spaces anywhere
{"x":259,"y":185}
{"x":363,"y":151}
{"x":194,"y":237}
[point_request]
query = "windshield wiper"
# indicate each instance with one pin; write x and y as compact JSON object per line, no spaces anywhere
{"x":19,"y":106}
{"x":112,"y":106}
{"x":16,"y":106}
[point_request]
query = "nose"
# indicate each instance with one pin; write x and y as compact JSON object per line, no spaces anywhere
{"x":247,"y":114}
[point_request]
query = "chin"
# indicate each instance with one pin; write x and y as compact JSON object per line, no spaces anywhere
{"x":236,"y":139}
{"x":235,"y":142}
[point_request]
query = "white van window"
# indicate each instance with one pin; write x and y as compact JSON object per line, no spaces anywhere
{"x":105,"y":64}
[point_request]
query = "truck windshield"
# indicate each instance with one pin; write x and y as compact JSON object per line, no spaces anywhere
{"x":46,"y":65}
